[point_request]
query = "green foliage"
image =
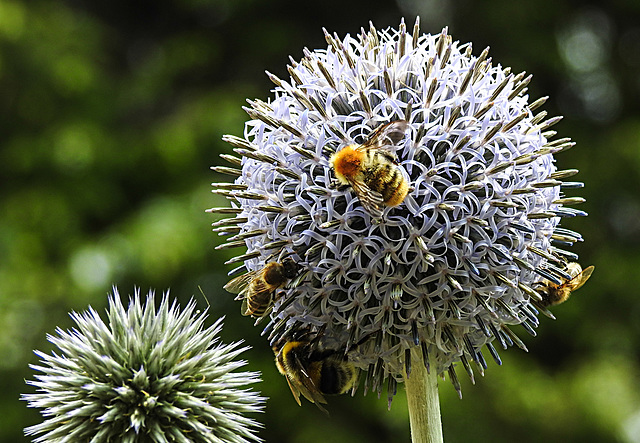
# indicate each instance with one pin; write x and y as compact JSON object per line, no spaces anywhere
{"x":111,"y":114}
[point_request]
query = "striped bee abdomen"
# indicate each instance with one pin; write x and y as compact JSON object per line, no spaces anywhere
{"x":384,"y":177}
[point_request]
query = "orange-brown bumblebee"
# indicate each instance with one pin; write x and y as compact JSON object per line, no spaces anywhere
{"x":371,"y":169}
{"x":312,"y":371}
{"x":553,"y":294}
{"x":256,"y":288}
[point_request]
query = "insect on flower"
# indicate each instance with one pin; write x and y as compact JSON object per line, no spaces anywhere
{"x":256,"y":289}
{"x":371,"y":169}
{"x":312,"y":369}
{"x":553,"y":294}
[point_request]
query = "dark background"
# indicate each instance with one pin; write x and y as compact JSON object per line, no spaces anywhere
{"x":111,"y":114}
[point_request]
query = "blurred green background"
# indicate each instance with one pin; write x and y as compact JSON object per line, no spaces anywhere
{"x":113,"y":112}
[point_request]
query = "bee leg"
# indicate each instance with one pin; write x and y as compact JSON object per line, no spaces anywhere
{"x":322,"y":409}
{"x":335,"y":184}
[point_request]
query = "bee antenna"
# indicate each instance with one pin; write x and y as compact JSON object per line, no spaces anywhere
{"x":360,"y":342}
{"x":284,"y":254}
{"x":317,"y":335}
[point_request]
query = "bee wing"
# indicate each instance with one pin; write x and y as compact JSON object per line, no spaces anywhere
{"x":308,"y":388}
{"x":386,"y":136}
{"x":579,"y":280}
{"x":371,"y":200}
{"x":294,"y":390}
{"x":298,"y":388}
{"x":239,"y":284}
{"x":245,"y":310}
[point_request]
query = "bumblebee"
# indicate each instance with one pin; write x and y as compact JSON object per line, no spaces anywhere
{"x":312,"y":371}
{"x":256,"y":289}
{"x":553,"y":294}
{"x":371,"y":169}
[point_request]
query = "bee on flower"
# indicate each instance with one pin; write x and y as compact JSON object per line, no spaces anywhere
{"x":371,"y":169}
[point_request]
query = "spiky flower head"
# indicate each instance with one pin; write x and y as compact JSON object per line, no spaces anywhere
{"x":459,"y":260}
{"x":143,"y":376}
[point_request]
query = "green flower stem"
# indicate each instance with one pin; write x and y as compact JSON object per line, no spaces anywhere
{"x":424,"y":404}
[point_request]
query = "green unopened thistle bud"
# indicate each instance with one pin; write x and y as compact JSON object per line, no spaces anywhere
{"x":145,"y":375}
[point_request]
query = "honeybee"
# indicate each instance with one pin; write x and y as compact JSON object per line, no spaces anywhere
{"x":371,"y":169}
{"x":553,"y":294}
{"x":256,"y":288}
{"x":312,"y":371}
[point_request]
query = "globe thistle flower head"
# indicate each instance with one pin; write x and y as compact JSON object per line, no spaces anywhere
{"x":458,"y":261}
{"x":145,"y":375}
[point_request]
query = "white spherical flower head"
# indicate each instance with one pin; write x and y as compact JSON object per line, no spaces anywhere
{"x":451,"y":265}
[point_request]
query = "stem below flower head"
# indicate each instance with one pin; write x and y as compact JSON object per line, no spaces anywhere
{"x":424,"y":404}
